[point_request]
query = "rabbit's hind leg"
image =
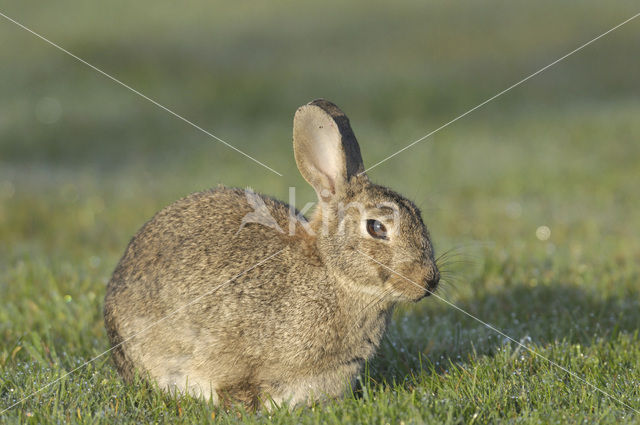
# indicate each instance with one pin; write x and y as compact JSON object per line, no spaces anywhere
{"x":178,"y":381}
{"x":321,"y":386}
{"x":245,"y":392}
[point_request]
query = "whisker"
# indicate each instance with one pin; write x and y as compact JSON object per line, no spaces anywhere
{"x":456,"y":255}
{"x":446,"y":252}
{"x":447,"y":277}
{"x":449,"y":262}
{"x":454,"y":250}
{"x":447,"y":283}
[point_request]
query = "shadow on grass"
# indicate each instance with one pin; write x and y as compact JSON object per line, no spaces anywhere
{"x":435,"y":336}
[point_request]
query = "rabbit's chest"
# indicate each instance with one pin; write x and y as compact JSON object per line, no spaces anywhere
{"x":342,"y":346}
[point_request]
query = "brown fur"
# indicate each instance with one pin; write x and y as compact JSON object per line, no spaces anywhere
{"x":295,"y":328}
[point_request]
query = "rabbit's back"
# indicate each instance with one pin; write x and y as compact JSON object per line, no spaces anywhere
{"x":203,"y":225}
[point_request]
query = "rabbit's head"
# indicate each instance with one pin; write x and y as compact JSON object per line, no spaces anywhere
{"x":367,"y":234}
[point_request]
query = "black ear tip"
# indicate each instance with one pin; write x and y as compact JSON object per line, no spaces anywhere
{"x":329,"y":107}
{"x":320,"y":101}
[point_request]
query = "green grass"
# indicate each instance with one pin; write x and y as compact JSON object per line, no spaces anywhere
{"x":560,"y":151}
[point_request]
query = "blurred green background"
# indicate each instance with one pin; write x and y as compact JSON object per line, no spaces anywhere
{"x":85,"y":162}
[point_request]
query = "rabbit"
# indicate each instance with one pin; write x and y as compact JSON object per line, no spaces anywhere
{"x":209,"y":303}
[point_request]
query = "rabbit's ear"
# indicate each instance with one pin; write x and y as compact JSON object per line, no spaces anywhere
{"x":326,"y":150}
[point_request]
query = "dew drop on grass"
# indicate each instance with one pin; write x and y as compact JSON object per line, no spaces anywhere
{"x":94,"y":261}
{"x":543,"y":233}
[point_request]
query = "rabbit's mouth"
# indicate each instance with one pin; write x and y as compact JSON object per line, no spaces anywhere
{"x":415,"y":288}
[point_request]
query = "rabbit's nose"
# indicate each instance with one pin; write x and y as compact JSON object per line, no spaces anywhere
{"x":432,"y":278}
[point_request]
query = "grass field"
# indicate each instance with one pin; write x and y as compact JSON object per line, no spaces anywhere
{"x":84,"y":163}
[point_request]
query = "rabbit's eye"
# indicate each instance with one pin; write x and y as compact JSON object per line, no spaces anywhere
{"x":376,"y":229}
